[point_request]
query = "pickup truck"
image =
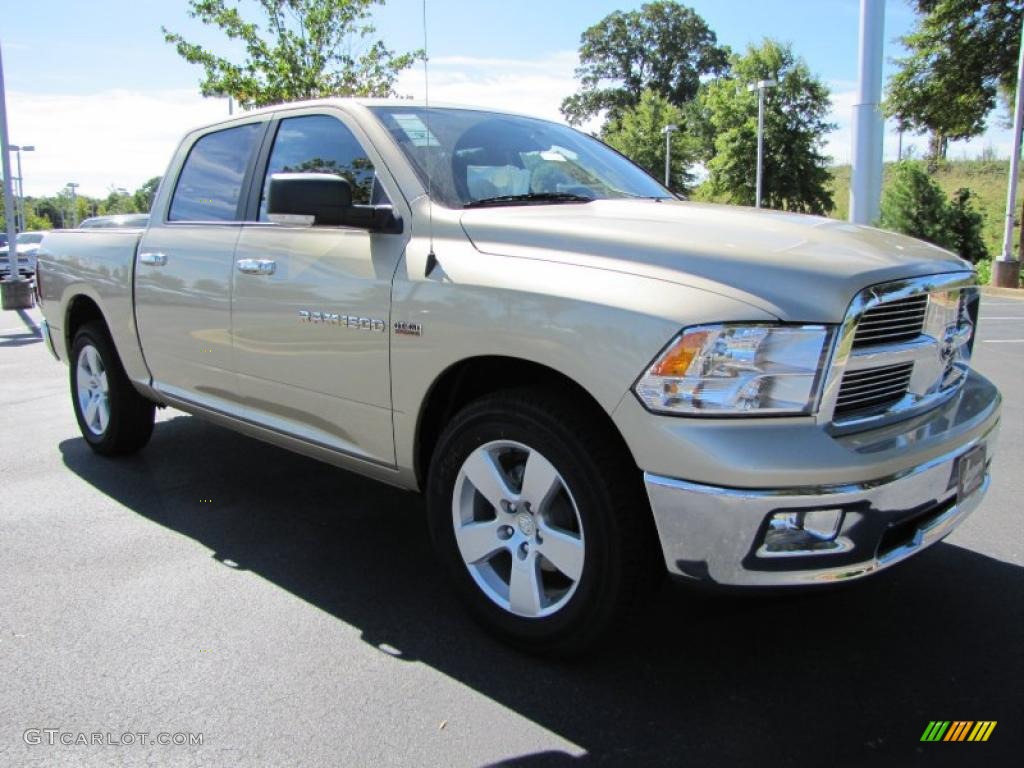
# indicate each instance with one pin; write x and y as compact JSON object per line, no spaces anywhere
{"x":592,"y":382}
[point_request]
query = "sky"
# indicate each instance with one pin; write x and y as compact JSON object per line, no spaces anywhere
{"x":104,"y":100}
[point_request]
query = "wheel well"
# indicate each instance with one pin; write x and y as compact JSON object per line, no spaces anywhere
{"x":81,"y":310}
{"x":470,"y":379}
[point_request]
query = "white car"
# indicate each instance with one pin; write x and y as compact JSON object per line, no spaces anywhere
{"x":28,"y":245}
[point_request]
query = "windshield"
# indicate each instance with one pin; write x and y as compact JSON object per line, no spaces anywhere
{"x":30,"y":237}
{"x":473,"y":156}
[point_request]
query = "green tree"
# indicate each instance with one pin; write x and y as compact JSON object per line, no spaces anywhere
{"x":723,"y":119}
{"x":664,"y":47}
{"x":914,"y":204}
{"x":961,"y":54}
{"x":117,"y":201}
{"x":144,"y":195}
{"x":638,"y":135}
{"x":304,"y":50}
{"x":965,"y":226}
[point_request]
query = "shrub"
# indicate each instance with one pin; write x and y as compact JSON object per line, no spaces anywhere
{"x":965,"y":226}
{"x":915,"y":205}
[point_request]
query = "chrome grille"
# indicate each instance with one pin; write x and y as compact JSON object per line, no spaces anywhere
{"x":872,"y":388}
{"x":892,"y":322}
{"x":905,"y":346}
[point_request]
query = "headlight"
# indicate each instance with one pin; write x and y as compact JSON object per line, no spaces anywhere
{"x":737,"y":369}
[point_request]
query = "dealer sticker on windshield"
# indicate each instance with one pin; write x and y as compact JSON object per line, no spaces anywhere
{"x":971,"y":471}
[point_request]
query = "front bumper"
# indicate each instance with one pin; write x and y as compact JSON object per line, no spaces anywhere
{"x":719,"y":534}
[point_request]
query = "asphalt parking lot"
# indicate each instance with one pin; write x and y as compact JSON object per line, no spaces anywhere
{"x":291,"y":614}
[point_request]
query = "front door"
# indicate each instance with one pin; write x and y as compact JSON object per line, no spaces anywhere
{"x":311,"y":304}
{"x":184,"y":267}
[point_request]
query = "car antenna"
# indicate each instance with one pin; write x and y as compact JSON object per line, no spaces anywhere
{"x":431,"y":256}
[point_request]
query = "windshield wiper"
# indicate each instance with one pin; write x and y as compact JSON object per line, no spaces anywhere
{"x":529,"y":197}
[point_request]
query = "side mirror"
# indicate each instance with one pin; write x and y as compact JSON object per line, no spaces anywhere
{"x":327,"y":198}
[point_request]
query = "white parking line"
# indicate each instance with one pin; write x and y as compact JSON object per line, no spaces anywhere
{"x":1001,"y":317}
{"x":1003,"y":341}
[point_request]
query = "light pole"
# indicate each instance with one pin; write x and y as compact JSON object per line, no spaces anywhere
{"x":72,"y":186}
{"x":1006,"y":269}
{"x":15,"y":293}
{"x":760,"y":86}
{"x":668,"y":130}
{"x":18,"y":149}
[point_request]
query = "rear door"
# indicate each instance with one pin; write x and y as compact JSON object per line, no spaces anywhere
{"x":184,"y":268}
{"x":311,"y":337}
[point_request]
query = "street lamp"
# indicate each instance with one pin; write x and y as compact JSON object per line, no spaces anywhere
{"x":72,"y":186}
{"x":668,"y":130}
{"x":760,"y":86}
{"x":18,"y":149}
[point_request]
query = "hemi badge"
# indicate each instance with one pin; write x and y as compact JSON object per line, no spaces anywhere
{"x":405,"y":328}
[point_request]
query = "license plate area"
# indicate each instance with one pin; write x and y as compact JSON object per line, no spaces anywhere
{"x":970,"y":472}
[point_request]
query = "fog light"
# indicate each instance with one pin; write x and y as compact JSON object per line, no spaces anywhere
{"x":805,"y":532}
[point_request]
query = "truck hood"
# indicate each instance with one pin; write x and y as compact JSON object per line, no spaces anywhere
{"x":799,"y":268}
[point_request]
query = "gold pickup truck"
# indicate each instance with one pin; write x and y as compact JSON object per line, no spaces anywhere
{"x":592,"y":381}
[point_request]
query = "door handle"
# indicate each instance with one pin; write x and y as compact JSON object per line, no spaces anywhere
{"x":257,"y":266}
{"x":152,"y":259}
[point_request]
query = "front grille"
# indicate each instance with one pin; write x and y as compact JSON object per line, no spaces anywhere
{"x":892,"y":322}
{"x":873,"y":388}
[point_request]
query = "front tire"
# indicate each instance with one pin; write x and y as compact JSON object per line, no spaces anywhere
{"x":539,"y":516}
{"x":112,"y":416}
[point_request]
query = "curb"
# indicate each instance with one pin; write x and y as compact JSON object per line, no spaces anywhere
{"x":1010,"y":293}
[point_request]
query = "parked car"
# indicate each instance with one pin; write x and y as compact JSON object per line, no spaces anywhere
{"x":27,"y":248}
{"x":591,"y":381}
{"x":116,"y":221}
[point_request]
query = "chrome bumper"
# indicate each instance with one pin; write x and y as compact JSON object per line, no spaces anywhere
{"x":718,"y":534}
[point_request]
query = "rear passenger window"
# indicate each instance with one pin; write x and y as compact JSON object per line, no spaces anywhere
{"x":210,"y":184}
{"x":322,"y":144}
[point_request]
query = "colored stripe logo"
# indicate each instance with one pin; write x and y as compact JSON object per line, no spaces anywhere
{"x":958,"y":730}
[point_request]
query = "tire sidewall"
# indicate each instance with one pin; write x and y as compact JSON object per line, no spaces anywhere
{"x":593,"y":599}
{"x":89,"y":336}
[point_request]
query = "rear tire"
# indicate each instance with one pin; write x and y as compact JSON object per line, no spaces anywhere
{"x":538,"y":514}
{"x":113,"y":417}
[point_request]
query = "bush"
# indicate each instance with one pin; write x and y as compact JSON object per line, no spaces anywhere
{"x":965,"y":226}
{"x":915,"y":205}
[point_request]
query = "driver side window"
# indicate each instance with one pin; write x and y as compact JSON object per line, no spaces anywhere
{"x":322,"y":144}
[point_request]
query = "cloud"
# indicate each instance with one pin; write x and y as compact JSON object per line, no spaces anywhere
{"x":107,"y":138}
{"x":535,"y":87}
{"x":121,"y":138}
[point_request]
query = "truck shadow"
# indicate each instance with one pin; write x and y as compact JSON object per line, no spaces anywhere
{"x":851,"y":676}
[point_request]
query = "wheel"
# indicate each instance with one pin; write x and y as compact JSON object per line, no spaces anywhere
{"x":540,"y":519}
{"x":113,"y":417}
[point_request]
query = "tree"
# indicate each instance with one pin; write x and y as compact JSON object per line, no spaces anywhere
{"x":965,"y":226}
{"x":638,"y":135}
{"x":723,"y":119}
{"x":915,"y":205}
{"x":664,"y":47}
{"x":307,"y":52}
{"x":961,"y":54}
{"x":144,"y":195}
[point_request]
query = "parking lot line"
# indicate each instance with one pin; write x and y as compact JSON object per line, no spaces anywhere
{"x":1003,"y":341}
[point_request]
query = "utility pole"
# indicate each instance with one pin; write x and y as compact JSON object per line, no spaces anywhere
{"x":1006,"y":269}
{"x":760,"y":86}
{"x":18,"y":149}
{"x":668,"y":130}
{"x":15,"y":293}
{"x":74,"y":208}
{"x":868,"y":126}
